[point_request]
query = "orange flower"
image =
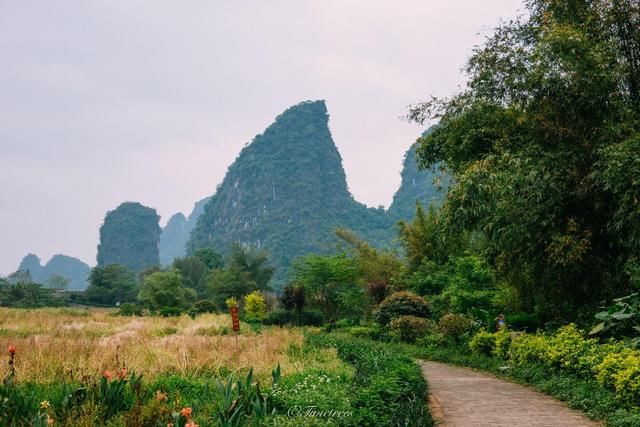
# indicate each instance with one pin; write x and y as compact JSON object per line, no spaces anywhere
{"x":190,"y":423}
{"x":50,"y":421}
{"x":122,"y":373}
{"x":107,"y":375}
{"x":12,"y":349}
{"x":169,"y":424}
{"x":160,"y":396}
{"x":186,"y":412}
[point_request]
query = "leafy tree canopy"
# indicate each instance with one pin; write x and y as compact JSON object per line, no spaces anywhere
{"x":111,"y":284}
{"x":164,"y":289}
{"x":537,"y":142}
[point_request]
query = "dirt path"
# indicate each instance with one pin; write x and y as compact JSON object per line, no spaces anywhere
{"x":462,"y":397}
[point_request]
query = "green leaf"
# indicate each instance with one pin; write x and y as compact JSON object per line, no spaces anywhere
{"x":597,"y":329}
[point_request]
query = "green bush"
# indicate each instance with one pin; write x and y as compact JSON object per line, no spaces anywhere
{"x":278,"y":317}
{"x":202,"y":306}
{"x":569,"y":350}
{"x":170,"y":311}
{"x":388,"y":387}
{"x":503,"y":344}
{"x":302,"y":318}
{"x":129,"y":309}
{"x":620,"y":371}
{"x":402,"y":304}
{"x":483,"y":343}
{"x":254,"y":306}
{"x":455,"y":326}
{"x":529,"y":349}
{"x":611,"y":364}
{"x":408,"y":328}
{"x":310,"y":318}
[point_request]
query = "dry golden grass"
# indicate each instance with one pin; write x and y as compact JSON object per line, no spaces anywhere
{"x":57,"y":343}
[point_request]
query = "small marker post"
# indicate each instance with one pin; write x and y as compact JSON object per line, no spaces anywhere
{"x":236,"y":322}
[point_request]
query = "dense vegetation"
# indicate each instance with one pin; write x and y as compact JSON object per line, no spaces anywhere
{"x":536,"y":242}
{"x":28,"y":295}
{"x":543,"y":147}
{"x":129,"y":236}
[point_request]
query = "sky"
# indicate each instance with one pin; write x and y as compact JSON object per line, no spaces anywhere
{"x":106,"y":101}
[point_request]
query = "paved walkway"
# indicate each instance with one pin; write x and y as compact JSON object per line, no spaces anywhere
{"x":462,"y":397}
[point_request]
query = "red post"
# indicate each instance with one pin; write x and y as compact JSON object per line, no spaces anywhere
{"x":236,"y":322}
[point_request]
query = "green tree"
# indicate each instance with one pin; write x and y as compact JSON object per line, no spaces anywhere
{"x":57,"y":282}
{"x":212,"y":259}
{"x":535,"y":142}
{"x":374,"y":265}
{"x":164,"y":289}
{"x":194,"y":272}
{"x":111,"y":284}
{"x":423,"y":239}
{"x":293,"y":297}
{"x":254,"y":262}
{"x":254,"y":306}
{"x":331,"y":284}
{"x":229,"y":282}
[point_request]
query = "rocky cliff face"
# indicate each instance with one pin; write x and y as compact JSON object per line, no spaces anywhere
{"x":130,"y":237}
{"x":287,"y":192}
{"x":175,"y":235}
{"x":424,"y":186}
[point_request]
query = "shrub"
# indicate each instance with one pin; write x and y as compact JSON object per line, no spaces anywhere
{"x":454,"y":326}
{"x":128,"y":309}
{"x":388,"y":387}
{"x":408,"y":328}
{"x":627,"y":379}
{"x":254,"y":306}
{"x":302,"y":318}
{"x":528,"y":349}
{"x":310,"y":318}
{"x":202,"y":306}
{"x":503,"y":344}
{"x":569,"y":350}
{"x":483,"y":343}
{"x":402,"y":304}
{"x":170,"y":311}
{"x":612,"y":363}
{"x":278,"y":317}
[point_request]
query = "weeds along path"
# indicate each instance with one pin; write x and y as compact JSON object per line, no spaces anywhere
{"x":461,"y":397}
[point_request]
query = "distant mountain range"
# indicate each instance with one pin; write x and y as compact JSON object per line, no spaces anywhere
{"x":72,"y":269}
{"x":286,"y":192}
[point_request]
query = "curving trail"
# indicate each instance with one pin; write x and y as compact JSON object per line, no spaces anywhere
{"x":461,"y":397}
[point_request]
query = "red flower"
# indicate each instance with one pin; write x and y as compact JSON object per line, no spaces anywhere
{"x":107,"y":375}
{"x":12,"y":349}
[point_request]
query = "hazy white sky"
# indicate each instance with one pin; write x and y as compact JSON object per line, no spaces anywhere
{"x":114,"y":100}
